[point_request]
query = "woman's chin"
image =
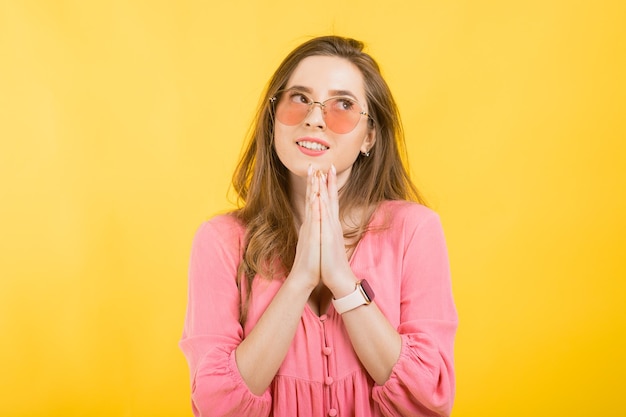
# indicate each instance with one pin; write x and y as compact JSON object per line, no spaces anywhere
{"x":303,"y":172}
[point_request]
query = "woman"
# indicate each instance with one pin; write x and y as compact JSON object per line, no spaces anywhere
{"x":328,"y":292}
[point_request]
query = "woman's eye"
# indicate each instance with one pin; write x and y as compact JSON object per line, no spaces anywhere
{"x":344,"y":104}
{"x":299,"y":98}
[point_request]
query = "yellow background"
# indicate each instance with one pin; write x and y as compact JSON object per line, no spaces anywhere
{"x":121,"y":123}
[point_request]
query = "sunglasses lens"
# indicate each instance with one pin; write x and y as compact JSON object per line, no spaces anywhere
{"x":292,"y":108}
{"x":341,"y":114}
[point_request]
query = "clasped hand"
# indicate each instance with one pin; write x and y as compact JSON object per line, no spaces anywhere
{"x":320,"y":253}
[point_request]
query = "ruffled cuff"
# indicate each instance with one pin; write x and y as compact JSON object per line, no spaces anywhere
{"x":218,"y":388}
{"x":421,"y":382}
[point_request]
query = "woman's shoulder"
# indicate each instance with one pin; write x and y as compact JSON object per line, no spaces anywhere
{"x":407,"y":209}
{"x":225,"y":226}
{"x":401,"y":216}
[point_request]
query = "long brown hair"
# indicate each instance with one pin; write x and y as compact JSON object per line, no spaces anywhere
{"x":261,"y":180}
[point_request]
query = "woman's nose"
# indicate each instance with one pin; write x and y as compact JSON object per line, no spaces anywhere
{"x":315,"y":117}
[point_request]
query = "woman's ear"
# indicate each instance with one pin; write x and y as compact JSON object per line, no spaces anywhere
{"x":368,"y":142}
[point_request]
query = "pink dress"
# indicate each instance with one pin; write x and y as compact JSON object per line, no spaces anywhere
{"x":404,"y":258}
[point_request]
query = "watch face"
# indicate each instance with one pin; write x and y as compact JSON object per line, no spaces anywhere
{"x":367,"y":290}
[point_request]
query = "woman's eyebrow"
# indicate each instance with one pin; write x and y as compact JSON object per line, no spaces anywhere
{"x":331,"y":93}
{"x":342,"y":93}
{"x":301,"y":88}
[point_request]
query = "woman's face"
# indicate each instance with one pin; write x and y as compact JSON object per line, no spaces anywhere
{"x":311,"y":141}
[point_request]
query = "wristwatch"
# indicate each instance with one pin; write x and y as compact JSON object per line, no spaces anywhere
{"x":363,"y":294}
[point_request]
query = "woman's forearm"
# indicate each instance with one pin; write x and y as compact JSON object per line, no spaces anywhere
{"x":262,"y":352}
{"x":375,"y":341}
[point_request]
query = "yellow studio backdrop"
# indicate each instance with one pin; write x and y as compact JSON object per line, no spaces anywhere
{"x":121,"y":123}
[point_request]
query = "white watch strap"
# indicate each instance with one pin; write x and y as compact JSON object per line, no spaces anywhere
{"x":350,"y":301}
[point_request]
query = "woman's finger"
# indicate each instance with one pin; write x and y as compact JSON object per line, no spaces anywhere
{"x":309,"y":186}
{"x":324,"y":200}
{"x":333,"y":191}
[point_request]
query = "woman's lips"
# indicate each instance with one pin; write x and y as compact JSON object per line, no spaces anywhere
{"x":312,"y":146}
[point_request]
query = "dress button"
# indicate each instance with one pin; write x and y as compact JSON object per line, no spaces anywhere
{"x":332,"y":412}
{"x":323,"y":317}
{"x":327,"y":350}
{"x":329,"y":380}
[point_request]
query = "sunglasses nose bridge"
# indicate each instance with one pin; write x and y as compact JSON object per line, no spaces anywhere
{"x":318,"y":103}
{"x":310,"y":111}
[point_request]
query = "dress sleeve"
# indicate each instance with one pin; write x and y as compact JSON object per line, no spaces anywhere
{"x":422,"y":382}
{"x":212,"y":331}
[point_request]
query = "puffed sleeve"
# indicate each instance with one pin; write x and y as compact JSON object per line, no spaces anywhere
{"x":212,"y":331}
{"x":422,"y":382}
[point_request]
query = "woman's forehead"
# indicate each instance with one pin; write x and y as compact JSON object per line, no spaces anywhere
{"x":327,"y":76}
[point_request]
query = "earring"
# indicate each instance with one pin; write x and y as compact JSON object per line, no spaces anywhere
{"x":365,"y":153}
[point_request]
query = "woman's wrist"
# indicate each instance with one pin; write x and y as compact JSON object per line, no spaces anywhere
{"x":299,"y":284}
{"x":344,"y":286}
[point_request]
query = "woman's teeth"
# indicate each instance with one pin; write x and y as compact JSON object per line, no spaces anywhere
{"x":314,"y":146}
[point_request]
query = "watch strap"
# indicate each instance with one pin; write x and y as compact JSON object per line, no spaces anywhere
{"x":351,"y":301}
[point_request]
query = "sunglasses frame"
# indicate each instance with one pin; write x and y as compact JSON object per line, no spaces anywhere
{"x":322,"y":104}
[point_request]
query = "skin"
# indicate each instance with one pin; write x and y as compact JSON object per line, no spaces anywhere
{"x":321,"y":268}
